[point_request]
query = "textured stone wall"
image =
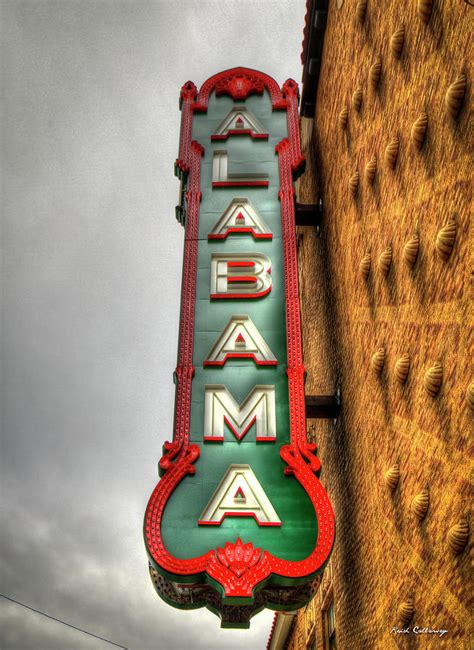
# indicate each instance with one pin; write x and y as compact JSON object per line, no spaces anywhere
{"x":385,"y":554}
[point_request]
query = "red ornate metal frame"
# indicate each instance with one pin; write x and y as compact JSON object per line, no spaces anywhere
{"x":239,"y":567}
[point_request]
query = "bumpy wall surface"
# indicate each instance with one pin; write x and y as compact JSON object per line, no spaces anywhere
{"x":363,"y":291}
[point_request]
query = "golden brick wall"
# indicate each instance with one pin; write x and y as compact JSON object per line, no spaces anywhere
{"x":384,"y":554}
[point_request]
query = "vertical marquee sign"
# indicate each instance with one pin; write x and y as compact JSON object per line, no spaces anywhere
{"x":239,"y":520}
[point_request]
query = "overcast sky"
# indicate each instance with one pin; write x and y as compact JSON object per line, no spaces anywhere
{"x":92,"y":260}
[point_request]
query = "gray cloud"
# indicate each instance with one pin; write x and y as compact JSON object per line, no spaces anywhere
{"x":73,"y":574}
{"x":91,"y":276}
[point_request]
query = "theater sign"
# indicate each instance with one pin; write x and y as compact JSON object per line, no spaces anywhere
{"x":239,"y":520}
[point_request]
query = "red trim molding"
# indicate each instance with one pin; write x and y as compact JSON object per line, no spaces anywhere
{"x":291,"y":94}
{"x":240,"y":184}
{"x":244,"y":432}
{"x":240,"y":296}
{"x":240,"y":355}
{"x":237,"y":132}
{"x":241,"y":231}
{"x":239,"y":514}
{"x":186,"y":99}
{"x":239,"y":83}
{"x":272,"y":630}
{"x":241,"y":264}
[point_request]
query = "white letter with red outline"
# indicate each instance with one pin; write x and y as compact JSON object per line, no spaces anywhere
{"x":240,"y":121}
{"x":239,"y":494}
{"x":220,"y":409}
{"x":240,"y":275}
{"x":240,"y":218}
{"x":240,"y":339}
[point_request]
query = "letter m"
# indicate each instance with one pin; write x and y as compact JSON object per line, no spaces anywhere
{"x":220,"y":409}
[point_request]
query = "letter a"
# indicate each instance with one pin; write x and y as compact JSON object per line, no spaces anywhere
{"x":240,"y":121}
{"x":240,"y":339}
{"x":240,"y":218}
{"x":239,"y":494}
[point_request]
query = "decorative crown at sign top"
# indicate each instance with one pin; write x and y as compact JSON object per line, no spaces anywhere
{"x":239,"y":86}
{"x":239,"y":557}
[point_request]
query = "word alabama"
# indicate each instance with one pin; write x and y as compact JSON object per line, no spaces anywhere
{"x":239,"y":520}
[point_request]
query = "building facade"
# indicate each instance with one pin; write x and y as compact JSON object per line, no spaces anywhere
{"x":387,"y":319}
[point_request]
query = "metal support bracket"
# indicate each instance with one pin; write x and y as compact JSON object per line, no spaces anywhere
{"x":309,"y":214}
{"x":323,"y":406}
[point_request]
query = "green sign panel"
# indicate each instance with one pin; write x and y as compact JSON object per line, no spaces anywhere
{"x":239,"y":520}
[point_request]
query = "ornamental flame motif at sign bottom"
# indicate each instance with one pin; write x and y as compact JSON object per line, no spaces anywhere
{"x":239,"y":520}
{"x":239,"y":557}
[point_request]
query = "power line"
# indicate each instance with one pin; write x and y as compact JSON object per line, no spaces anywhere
{"x":58,"y":620}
